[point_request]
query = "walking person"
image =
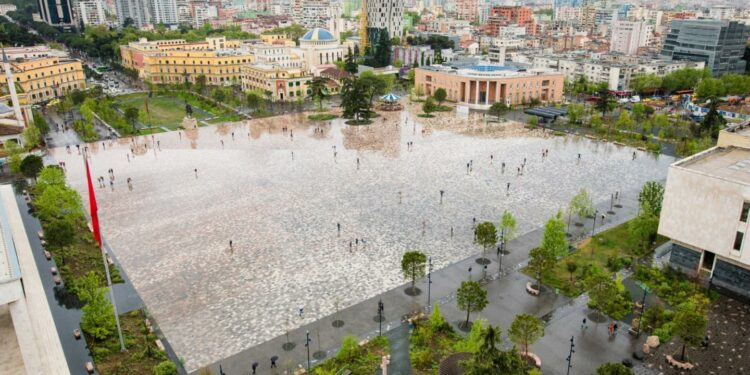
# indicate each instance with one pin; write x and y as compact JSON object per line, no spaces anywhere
{"x":273,"y":361}
{"x":614,"y":329}
{"x":611,"y":329}
{"x":583,"y":324}
{"x":254,"y":367}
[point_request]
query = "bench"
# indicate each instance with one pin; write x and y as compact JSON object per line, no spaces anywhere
{"x":89,"y":367}
{"x":159,"y":345}
{"x":530,"y":288}
{"x":535,"y":358}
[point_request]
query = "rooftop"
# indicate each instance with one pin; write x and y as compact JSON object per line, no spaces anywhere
{"x":9,"y":269}
{"x":730,"y":163}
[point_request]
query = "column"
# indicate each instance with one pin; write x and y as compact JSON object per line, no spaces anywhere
{"x":497,"y":91}
{"x":487,"y":93}
{"x":467,"y":92}
{"x":476,"y":98}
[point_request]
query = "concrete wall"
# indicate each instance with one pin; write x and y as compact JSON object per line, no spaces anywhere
{"x":704,"y":212}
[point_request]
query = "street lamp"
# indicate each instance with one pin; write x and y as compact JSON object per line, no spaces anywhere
{"x":643,"y":308}
{"x":593,"y":227}
{"x":429,"y":280}
{"x":570,"y":355}
{"x":307,"y":345}
{"x":380,"y":317}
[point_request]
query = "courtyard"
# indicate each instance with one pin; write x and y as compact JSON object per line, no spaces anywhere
{"x":278,"y":187}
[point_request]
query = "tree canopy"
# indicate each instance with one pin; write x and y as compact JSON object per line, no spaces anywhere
{"x":471,"y":297}
{"x":413,"y":265}
{"x":525,"y":330}
{"x":554,"y":240}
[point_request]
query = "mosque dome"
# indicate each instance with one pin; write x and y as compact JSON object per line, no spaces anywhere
{"x":318,"y":35}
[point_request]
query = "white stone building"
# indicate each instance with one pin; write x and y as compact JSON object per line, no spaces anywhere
{"x":628,"y":36}
{"x":705,"y":212}
{"x":91,"y":12}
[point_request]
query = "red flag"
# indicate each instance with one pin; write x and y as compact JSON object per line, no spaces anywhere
{"x":92,"y":203}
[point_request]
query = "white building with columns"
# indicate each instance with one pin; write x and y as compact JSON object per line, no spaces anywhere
{"x":30,"y":344}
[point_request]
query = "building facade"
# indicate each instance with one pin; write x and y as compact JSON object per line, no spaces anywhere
{"x":277,"y":83}
{"x":628,"y":36}
{"x":56,"y":12}
{"x":91,"y":12}
{"x":705,"y":213}
{"x":386,"y":14}
{"x":467,"y":10}
{"x":321,"y":47}
{"x":46,"y":78}
{"x":177,"y":61}
{"x":720,"y":44}
{"x":479,"y":86}
{"x":137,"y":11}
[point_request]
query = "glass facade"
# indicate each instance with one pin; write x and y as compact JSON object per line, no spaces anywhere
{"x":720,"y":44}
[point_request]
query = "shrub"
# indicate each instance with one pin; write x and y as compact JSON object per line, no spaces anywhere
{"x":165,"y":368}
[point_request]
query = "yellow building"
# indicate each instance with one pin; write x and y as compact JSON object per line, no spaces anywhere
{"x":280,"y":83}
{"x":45,"y":78}
{"x":176,"y":61}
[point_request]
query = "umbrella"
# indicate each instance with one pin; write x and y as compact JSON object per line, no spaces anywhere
{"x":390,"y":97}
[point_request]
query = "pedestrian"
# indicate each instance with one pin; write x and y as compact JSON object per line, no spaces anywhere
{"x":451,"y":232}
{"x":603,"y":216}
{"x":130,"y":184}
{"x":273,"y":361}
{"x":222,"y":143}
{"x":614,"y":329}
{"x":357,"y":163}
{"x":232,"y":135}
{"x":633,"y":155}
{"x":196,"y":173}
{"x":255,"y":367}
{"x":112,"y":185}
{"x":230,"y":245}
{"x":617,"y":195}
{"x":350,"y":246}
{"x":128,"y":155}
{"x":508,"y":187}
{"x":583,"y":324}
{"x":611,"y":329}
{"x":301,"y":311}
{"x":338,"y":226}
{"x":579,"y":157}
{"x":491,"y":158}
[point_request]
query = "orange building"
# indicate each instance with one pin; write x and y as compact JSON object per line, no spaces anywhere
{"x":519,"y":15}
{"x":479,"y":86}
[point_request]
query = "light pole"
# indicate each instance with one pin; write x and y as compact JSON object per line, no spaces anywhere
{"x":429,"y":280}
{"x":593,"y":227}
{"x":570,"y":355}
{"x":380,"y":317}
{"x":307,"y":345}
{"x":643,"y":309}
{"x":500,"y":260}
{"x":484,"y":272}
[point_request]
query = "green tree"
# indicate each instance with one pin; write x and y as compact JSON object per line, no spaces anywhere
{"x":354,"y":100}
{"x":14,"y":156}
{"x":645,"y":83}
{"x":713,"y":121}
{"x":485,"y":235}
{"x":31,"y":166}
{"x":554,"y":240}
{"x":429,"y":106}
{"x":254,"y":100}
{"x":525,"y":330}
{"x":437,"y":322}
{"x":540,"y":260}
{"x":351,"y":63}
{"x":349,"y":351}
{"x":470,"y":298}
{"x":40,"y":122}
{"x":318,"y":91}
{"x":639,"y":109}
{"x":595,"y":121}
{"x":689,"y":325}
{"x":59,"y":202}
{"x":131,"y":116}
{"x":508,"y":227}
{"x":440,"y":95}
{"x":710,"y":88}
{"x":606,"y":294}
{"x":575,"y":113}
{"x":497,"y":109}
{"x":489,"y":359}
{"x":31,"y":137}
{"x":613,"y":369}
{"x":60,"y":234}
{"x":49,"y":176}
{"x":413,"y":265}
{"x":582,"y":205}
{"x":605,"y":102}
{"x":473,"y":341}
{"x":200,"y":83}
{"x":98,"y":318}
{"x":652,"y":194}
{"x":571,"y":266}
{"x":165,"y":367}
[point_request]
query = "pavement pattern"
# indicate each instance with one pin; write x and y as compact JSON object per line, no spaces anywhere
{"x":277,"y":189}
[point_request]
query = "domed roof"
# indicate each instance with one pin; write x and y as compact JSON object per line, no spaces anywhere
{"x":318,"y":35}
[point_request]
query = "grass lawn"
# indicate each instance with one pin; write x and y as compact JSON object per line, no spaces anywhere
{"x":141,"y":355}
{"x":229,"y":117}
{"x":150,"y":131}
{"x":610,"y":250}
{"x":322,"y":117}
{"x":163,"y":110}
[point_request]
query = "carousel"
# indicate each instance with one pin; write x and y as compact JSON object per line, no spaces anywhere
{"x":389,"y":102}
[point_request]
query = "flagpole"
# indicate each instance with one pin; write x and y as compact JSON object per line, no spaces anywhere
{"x":97,"y":237}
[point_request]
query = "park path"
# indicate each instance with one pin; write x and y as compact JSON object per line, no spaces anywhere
{"x":507,"y":297}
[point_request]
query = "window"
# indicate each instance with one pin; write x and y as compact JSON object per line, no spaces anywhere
{"x":738,"y":241}
{"x":745,"y":209}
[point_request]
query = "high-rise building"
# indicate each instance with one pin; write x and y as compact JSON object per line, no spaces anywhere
{"x":56,"y":12}
{"x":628,"y":36}
{"x":314,"y":13}
{"x":137,"y":11}
{"x":386,"y":14}
{"x":164,"y":11}
{"x":91,"y":12}
{"x":720,"y":44}
{"x":467,"y":10}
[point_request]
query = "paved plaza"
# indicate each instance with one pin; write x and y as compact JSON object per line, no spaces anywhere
{"x":277,"y":189}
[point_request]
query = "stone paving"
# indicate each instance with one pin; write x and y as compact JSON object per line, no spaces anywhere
{"x":278,"y":195}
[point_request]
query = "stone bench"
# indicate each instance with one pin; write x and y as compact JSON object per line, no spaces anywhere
{"x":159,"y":345}
{"x":530,"y":288}
{"x":678,"y":364}
{"x":89,"y":367}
